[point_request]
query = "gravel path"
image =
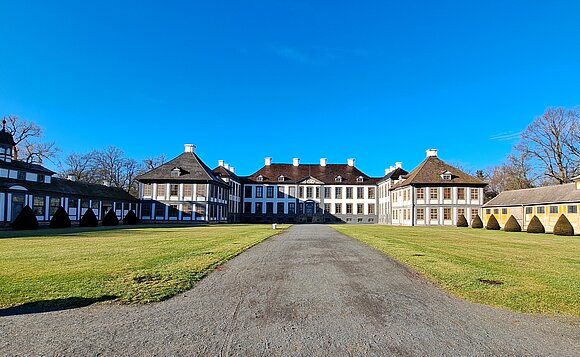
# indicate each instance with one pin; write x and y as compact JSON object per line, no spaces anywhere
{"x":310,"y":291}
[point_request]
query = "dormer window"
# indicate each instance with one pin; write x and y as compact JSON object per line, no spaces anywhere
{"x":338,"y":179}
{"x":281,"y":178}
{"x":359,"y":179}
{"x":446,"y":176}
{"x":21,"y":175}
{"x":260,"y":178}
{"x":175,"y":172}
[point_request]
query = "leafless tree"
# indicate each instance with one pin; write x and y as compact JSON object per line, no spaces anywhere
{"x":81,"y":166}
{"x":514,"y":174}
{"x":154,"y":161}
{"x":26,"y":136}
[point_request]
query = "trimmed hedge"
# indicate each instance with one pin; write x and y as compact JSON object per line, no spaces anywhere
{"x":130,"y":218}
{"x":110,"y":219}
{"x":563,"y":227}
{"x":26,"y":219}
{"x":512,"y":225}
{"x":535,"y":226}
{"x":492,"y":224}
{"x":462,"y":221}
{"x":89,"y":219}
{"x":60,"y":219}
{"x":476,"y":222}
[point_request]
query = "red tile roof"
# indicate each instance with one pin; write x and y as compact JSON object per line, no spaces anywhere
{"x":327,"y":174}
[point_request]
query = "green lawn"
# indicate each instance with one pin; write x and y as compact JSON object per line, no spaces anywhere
{"x":540,"y":273}
{"x":133,"y":265}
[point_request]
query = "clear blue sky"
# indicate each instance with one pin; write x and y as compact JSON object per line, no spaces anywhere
{"x":380,"y":81}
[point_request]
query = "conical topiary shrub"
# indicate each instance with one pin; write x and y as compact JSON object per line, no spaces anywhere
{"x":512,"y":225}
{"x":563,"y":227}
{"x":60,"y":219}
{"x":492,"y":224}
{"x":462,"y":222}
{"x":26,"y":219}
{"x":535,"y":226}
{"x":110,"y":219}
{"x":89,"y":219}
{"x":476,"y":222}
{"x":130,"y":218}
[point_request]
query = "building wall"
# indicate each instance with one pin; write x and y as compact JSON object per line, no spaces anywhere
{"x":548,"y":214}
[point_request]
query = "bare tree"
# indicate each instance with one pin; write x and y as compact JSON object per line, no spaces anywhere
{"x":154,"y":161}
{"x":81,"y":166}
{"x":549,"y":142}
{"x":514,"y":174}
{"x":26,"y":135}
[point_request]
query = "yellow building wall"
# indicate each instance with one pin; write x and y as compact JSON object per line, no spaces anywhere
{"x":548,"y":219}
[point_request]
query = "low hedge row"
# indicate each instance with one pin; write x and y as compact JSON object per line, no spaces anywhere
{"x":26,"y":219}
{"x":563,"y":227}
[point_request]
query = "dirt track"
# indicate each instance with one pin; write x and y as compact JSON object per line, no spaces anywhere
{"x":309,"y":291}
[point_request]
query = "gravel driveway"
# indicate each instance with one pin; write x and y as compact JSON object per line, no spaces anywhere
{"x":310,"y":291}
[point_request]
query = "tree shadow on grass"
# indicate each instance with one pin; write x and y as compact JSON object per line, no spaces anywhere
{"x":41,"y":306}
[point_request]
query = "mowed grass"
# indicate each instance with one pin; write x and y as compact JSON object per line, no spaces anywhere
{"x":540,"y":272}
{"x":136,"y":265}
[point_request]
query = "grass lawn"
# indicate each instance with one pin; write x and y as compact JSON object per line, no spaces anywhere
{"x":540,"y":272}
{"x":130,"y":265}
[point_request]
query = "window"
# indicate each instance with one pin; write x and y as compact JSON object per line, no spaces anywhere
{"x":420,"y":214}
{"x":434,"y":215}
{"x":85,"y":203}
{"x":270,"y":192}
{"x":327,"y":192}
{"x":38,"y":205}
{"x":248,"y":192}
{"x":146,"y":209}
{"x":460,"y":212}
{"x":359,"y":179}
{"x":300,"y":208}
{"x":338,"y":192}
{"x":371,"y":193}
{"x":360,"y":208}
{"x":159,"y":210}
{"x":160,"y":190}
{"x":447,"y":193}
{"x":300,"y":191}
{"x":292,"y":192}
{"x":309,"y":192}
{"x":495,"y":210}
{"x":572,"y":209}
{"x":269,"y":207}
{"x":317,"y":190}
{"x":95,"y":206}
{"x":349,"y":192}
{"x":176,"y":172}
{"x":21,"y":175}
{"x":260,"y":178}
{"x":173,"y":211}
{"x":529,"y":210}
{"x":488,"y":211}
{"x":421,"y":193}
{"x":541,"y":210}
{"x":173,"y":189}
{"x":147,"y":189}
{"x":247,"y":207}
{"x":201,"y":191}
{"x":186,"y":209}
{"x":371,"y":208}
{"x":259,"y":191}
{"x":259,"y":208}
{"x":327,"y":207}
{"x":40,"y":178}
{"x":280,"y":207}
{"x":474,"y":194}
{"x":280,"y":178}
{"x":73,"y":203}
{"x":338,"y":179}
{"x":349,"y":208}
{"x":461,"y":193}
{"x":360,"y":192}
{"x":504,"y":211}
{"x":187,"y":190}
{"x":280,"y":192}
{"x":553,"y":209}
{"x":447,"y":214}
{"x":433,"y":193}
{"x":338,"y":208}
{"x":291,"y":208}
{"x":54,"y":204}
{"x":446,"y":176}
{"x":200,"y":211}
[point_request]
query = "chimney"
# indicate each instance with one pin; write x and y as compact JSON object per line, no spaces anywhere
{"x":189,"y":148}
{"x":431,"y":152}
{"x":388,"y":171}
{"x":220,"y":162}
{"x":107,"y":183}
{"x":296,"y":161}
{"x":268,"y":161}
{"x":350,"y":161}
{"x":392,"y":168}
{"x":227,"y":166}
{"x":398,"y":165}
{"x":232,"y":169}
{"x":71,"y":177}
{"x":323,"y":161}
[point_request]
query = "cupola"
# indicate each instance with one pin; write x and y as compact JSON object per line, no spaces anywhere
{"x":7,"y":144}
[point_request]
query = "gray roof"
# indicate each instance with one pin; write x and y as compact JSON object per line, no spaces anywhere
{"x":21,"y":165}
{"x":71,"y":188}
{"x":191,"y":167}
{"x":394,"y":175}
{"x":540,"y":195}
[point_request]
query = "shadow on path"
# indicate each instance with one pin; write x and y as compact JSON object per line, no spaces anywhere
{"x":41,"y":306}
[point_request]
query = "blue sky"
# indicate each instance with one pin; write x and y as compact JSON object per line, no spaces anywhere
{"x":380,"y":81}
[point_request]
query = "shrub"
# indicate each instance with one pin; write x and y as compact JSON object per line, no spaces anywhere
{"x":535,"y":226}
{"x":512,"y":225}
{"x":89,"y":219}
{"x":130,"y":218}
{"x":563,"y":227}
{"x":60,"y":219}
{"x":110,"y":219}
{"x":26,"y":219}
{"x":476,"y":222}
{"x":462,"y":222}
{"x":492,"y":224}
